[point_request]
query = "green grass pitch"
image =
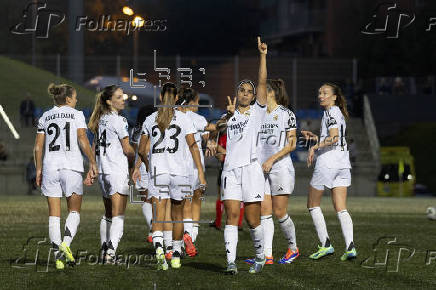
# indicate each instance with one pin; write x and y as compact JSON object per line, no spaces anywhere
{"x":410,"y":260}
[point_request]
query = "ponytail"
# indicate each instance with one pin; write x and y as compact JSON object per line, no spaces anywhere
{"x":165,"y":114}
{"x":59,"y":93}
{"x":186,"y":95}
{"x":340,"y":99}
{"x":278,"y":86}
{"x":101,"y":106}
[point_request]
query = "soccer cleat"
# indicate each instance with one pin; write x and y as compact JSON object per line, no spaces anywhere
{"x":103,"y":251}
{"x":257,"y":266}
{"x":161,"y":261}
{"x":232,"y":269}
{"x":169,"y":253}
{"x":67,"y":252}
{"x":269,"y":261}
{"x":348,"y":255}
{"x":60,"y":264}
{"x":290,"y":256}
{"x":322,"y":251}
{"x":189,"y":245}
{"x":110,"y":259}
{"x":175,"y":261}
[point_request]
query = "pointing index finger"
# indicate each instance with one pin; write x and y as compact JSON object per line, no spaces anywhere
{"x":258,"y":41}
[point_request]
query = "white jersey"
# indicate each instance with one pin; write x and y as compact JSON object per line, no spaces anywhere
{"x":199,"y":122}
{"x":242,"y":131}
{"x":62,"y":150}
{"x":336,"y":155}
{"x":112,"y":128}
{"x":168,"y":151}
{"x":272,"y":135}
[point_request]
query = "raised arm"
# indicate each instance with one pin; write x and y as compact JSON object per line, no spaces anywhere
{"x":261,"y":84}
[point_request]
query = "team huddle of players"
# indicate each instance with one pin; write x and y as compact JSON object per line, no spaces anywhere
{"x":165,"y":158}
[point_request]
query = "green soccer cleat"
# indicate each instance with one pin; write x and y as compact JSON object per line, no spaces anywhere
{"x":67,"y":252}
{"x":60,"y":264}
{"x":322,"y":252}
{"x":349,"y":255}
{"x":257,"y":266}
{"x":161,"y":261}
{"x":232,"y":269}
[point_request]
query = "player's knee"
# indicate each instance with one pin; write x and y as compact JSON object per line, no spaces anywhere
{"x":279,"y":212}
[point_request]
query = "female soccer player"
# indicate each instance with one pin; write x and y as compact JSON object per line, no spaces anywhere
{"x":61,"y":131}
{"x":115,"y":157}
{"x":277,"y":139}
{"x":242,"y":176}
{"x":170,"y":132}
{"x":332,"y":170}
{"x":142,"y":184}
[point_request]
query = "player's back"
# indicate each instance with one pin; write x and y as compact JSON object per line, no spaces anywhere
{"x":60,"y":125}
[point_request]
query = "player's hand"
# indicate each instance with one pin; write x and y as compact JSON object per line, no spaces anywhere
{"x":211,"y":148}
{"x":89,"y":180}
{"x":136,"y":175}
{"x":93,"y":169}
{"x":310,"y":156}
{"x":38,"y":180}
{"x":263,"y":48}
{"x":203,"y":183}
{"x":309,"y":135}
{"x":231,"y":106}
{"x":266,"y":166}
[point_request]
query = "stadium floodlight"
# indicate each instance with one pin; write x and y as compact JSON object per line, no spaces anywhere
{"x":138,"y":21}
{"x":8,"y":122}
{"x":127,"y":10}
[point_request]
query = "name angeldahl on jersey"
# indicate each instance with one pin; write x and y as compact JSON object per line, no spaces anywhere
{"x":60,"y":116}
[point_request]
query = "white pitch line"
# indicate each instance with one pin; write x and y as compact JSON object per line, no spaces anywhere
{"x":8,"y":122}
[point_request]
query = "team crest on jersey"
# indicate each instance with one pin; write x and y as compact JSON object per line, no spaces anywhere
{"x":247,"y":113}
{"x":124,"y":120}
{"x":275,"y":117}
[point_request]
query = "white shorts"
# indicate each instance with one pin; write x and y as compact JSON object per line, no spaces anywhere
{"x":142,"y":185}
{"x":166,"y":186}
{"x":113,"y":183}
{"x":280,"y":181}
{"x":195,"y":182}
{"x":244,"y":183}
{"x":66,"y":181}
{"x":330,"y":178}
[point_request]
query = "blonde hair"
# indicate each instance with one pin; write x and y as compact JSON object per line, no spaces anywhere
{"x":59,"y":93}
{"x":101,"y":106}
{"x":165,"y":114}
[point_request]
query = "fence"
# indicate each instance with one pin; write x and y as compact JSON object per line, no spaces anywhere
{"x":302,"y":76}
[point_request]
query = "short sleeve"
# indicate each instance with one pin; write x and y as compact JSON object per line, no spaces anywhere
{"x":332,"y":120}
{"x":260,"y":112}
{"x":40,"y":128}
{"x":81,"y":124}
{"x":189,"y":125}
{"x":121,"y":128}
{"x":202,"y":124}
{"x":290,"y":121}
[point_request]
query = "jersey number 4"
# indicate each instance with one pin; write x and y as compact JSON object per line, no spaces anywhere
{"x":101,"y":141}
{"x":155,"y":131}
{"x":57,"y":132}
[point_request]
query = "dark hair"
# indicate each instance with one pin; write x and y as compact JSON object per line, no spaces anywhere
{"x":143,"y":113}
{"x":340,"y":98}
{"x":186,"y":95}
{"x":165,"y":114}
{"x":247,"y":82}
{"x":101,"y":106}
{"x":59,"y":93}
{"x":280,"y":94}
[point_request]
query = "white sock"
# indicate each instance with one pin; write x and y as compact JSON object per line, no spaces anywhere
{"x":188,"y":226}
{"x":116,"y":231}
{"x":347,"y":226}
{"x":177,"y":246}
{"x":168,"y":239}
{"x":288,"y":229}
{"x":147,"y":212}
{"x":71,"y":224}
{"x":195,"y":232}
{"x":320,"y":226}
{"x":157,"y":239}
{"x":54,"y":230}
{"x":268,"y":233}
{"x":105,"y":227}
{"x":257,"y":237}
{"x":231,"y":242}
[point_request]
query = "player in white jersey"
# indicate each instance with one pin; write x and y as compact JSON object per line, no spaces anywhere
{"x":169,"y":132}
{"x":142,"y":184}
{"x":189,"y":99}
{"x":242,"y":176}
{"x":61,"y":131}
{"x":115,"y":157}
{"x":332,"y":170}
{"x":276,"y":140}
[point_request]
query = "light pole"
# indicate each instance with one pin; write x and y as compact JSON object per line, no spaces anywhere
{"x":137,"y":22}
